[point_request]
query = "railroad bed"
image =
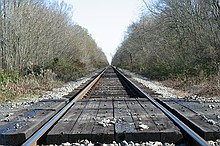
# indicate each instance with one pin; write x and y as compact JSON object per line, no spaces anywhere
{"x":114,"y":112}
{"x":111,"y":111}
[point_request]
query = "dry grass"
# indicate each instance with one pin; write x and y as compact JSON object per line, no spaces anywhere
{"x":29,"y":86}
{"x":205,"y":87}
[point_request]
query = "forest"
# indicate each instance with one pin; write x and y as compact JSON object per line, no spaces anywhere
{"x":39,"y":37}
{"x":39,"y":32}
{"x":174,"y":40}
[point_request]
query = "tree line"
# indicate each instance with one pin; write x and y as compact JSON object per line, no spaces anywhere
{"x":173,"y":39}
{"x":41,"y":33}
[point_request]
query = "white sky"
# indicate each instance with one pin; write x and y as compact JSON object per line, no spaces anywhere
{"x":106,"y":20}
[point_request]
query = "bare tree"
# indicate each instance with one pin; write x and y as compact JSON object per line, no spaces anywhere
{"x":178,"y":38}
{"x":37,"y":31}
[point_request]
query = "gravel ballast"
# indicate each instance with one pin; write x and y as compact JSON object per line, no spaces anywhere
{"x":123,"y":143}
{"x":8,"y":109}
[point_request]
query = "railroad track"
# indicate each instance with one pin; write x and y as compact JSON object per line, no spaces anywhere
{"x":112,"y":108}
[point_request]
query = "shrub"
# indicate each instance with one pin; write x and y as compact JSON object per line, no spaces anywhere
{"x":7,"y":76}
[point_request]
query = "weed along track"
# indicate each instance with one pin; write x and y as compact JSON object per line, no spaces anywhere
{"x":108,"y":108}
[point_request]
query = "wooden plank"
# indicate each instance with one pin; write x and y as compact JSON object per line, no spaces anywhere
{"x":104,"y":133}
{"x":23,"y":123}
{"x":61,"y":131}
{"x":124,"y":127}
{"x":83,"y":127}
{"x":168,"y":131}
{"x":207,"y":131}
{"x":113,"y":93}
{"x":50,"y":104}
{"x":140,"y":116}
{"x":112,"y":96}
{"x":210,"y":110}
{"x":18,"y":130}
{"x":111,"y":88}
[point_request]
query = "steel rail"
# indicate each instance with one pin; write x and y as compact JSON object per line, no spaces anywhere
{"x":199,"y":140}
{"x":32,"y":141}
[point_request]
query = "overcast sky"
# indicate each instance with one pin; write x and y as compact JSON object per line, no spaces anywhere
{"x":106,"y":20}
